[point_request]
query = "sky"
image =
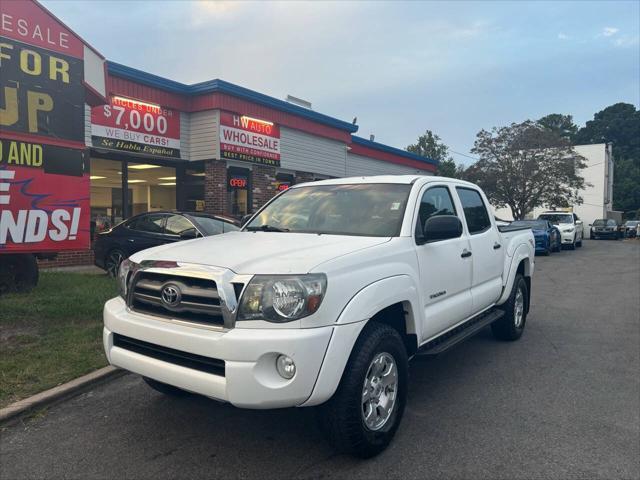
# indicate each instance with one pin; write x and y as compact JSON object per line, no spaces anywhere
{"x":400,"y":67}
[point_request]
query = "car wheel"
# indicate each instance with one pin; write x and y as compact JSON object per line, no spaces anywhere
{"x":511,"y":325}
{"x":363,"y":415}
{"x":113,"y":260}
{"x":572,"y":246}
{"x":165,"y":388}
{"x":579,"y":243}
{"x":558,"y":246}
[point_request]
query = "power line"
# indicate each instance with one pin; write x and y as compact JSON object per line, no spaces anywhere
{"x":464,"y":155}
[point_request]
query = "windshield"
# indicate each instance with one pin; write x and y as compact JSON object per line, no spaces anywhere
{"x":557,"y":218}
{"x":374,"y":210}
{"x":214,"y":226}
{"x":534,"y":224}
{"x":599,"y":223}
{"x":632,"y":223}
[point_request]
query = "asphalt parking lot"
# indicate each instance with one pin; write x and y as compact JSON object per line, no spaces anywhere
{"x":563,"y":402}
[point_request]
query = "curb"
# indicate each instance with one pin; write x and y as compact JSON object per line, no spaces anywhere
{"x":64,"y":391}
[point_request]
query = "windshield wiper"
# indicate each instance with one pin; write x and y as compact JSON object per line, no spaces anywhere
{"x":267,"y":228}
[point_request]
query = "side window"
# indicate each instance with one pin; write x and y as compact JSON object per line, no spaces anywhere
{"x":229,"y":227}
{"x":575,"y":217}
{"x":177,"y":224}
{"x":152,"y":223}
{"x":435,"y":201}
{"x":474,"y":210}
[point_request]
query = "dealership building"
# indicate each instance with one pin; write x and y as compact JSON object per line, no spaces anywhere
{"x":215,"y":147}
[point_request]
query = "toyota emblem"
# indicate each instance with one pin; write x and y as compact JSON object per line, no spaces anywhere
{"x":170,"y":295}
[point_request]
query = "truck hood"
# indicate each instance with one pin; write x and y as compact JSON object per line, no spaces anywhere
{"x":261,"y":252}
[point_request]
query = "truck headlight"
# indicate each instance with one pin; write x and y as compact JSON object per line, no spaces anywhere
{"x":124,"y":274}
{"x":282,"y":298}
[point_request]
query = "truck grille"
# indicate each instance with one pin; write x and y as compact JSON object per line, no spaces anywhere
{"x":214,"y":366}
{"x":176,"y":297}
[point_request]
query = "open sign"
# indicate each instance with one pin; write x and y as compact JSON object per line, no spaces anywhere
{"x":238,"y":182}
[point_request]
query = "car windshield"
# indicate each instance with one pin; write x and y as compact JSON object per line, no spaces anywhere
{"x":374,"y":210}
{"x":533,"y":224}
{"x":214,"y":226}
{"x":632,"y":223}
{"x":557,"y":218}
{"x":599,"y":223}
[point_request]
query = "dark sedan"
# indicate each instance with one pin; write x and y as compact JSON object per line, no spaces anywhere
{"x":152,"y":229}
{"x":546,"y":234}
{"x":606,"y":228}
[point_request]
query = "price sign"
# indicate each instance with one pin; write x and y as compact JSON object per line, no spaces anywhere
{"x":136,"y":126}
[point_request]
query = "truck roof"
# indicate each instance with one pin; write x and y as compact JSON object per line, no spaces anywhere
{"x":400,"y":179}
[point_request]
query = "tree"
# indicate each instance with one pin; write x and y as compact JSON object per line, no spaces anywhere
{"x":618,"y":124}
{"x":562,"y":125}
{"x":430,"y":146}
{"x":524,"y":166}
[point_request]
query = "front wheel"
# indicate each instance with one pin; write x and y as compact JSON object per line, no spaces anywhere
{"x":363,"y":415}
{"x":579,"y":243}
{"x":511,"y":325}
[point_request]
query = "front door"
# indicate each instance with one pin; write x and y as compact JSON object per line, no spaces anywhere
{"x":445,"y":275}
{"x":486,"y":248}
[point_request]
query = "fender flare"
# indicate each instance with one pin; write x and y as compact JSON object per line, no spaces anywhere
{"x":522,"y":252}
{"x":370,"y":300}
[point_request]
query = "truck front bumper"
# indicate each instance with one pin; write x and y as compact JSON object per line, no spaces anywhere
{"x":248,"y":377}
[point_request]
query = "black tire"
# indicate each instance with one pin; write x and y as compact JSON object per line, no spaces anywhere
{"x":507,"y":328}
{"x":341,"y":418}
{"x":18,"y":272}
{"x":165,"y":389}
{"x":573,"y":245}
{"x":558,"y":246}
{"x":579,"y":243}
{"x":112,"y":261}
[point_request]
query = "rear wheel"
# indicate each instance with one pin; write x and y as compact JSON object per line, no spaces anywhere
{"x":511,"y":325}
{"x":363,"y":415}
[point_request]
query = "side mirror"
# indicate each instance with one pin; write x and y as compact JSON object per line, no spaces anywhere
{"x":189,"y":234}
{"x":591,"y":224}
{"x":441,"y":227}
{"x":245,"y":219}
{"x":578,"y":222}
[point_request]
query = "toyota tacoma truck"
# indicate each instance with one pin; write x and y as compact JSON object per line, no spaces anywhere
{"x":322,"y":298}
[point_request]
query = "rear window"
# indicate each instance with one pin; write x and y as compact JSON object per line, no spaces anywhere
{"x":475,"y":211}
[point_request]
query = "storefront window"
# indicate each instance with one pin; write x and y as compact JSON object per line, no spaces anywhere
{"x":284,"y":181}
{"x":193,"y":187}
{"x":150,"y":187}
{"x":239,"y":190}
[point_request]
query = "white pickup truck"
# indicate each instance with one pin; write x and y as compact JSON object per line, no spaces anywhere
{"x":322,"y":299}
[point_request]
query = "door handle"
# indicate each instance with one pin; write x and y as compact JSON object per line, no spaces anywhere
{"x":496,"y":246}
{"x":465,"y":253}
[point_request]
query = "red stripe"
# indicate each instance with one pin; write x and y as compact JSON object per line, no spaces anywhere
{"x":357,"y":149}
{"x":28,"y":137}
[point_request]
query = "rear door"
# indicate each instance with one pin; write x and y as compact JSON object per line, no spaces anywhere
{"x":445,"y":268}
{"x":146,"y":231}
{"x":486,"y":249}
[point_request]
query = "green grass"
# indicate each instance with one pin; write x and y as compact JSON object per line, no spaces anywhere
{"x":52,"y":334}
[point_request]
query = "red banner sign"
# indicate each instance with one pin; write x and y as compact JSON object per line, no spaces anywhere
{"x":28,"y":22}
{"x":249,"y":139}
{"x":136,"y":126}
{"x":46,"y":211}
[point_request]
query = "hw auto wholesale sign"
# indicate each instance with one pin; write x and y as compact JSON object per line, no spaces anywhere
{"x":136,"y":126}
{"x":249,"y":139}
{"x":44,"y":187}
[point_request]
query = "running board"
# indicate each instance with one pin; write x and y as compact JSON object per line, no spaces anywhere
{"x":447,"y":340}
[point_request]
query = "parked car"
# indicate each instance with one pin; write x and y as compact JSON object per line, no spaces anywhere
{"x":322,"y":298}
{"x":547,"y":235}
{"x":152,"y":229}
{"x":631,"y":228}
{"x":570,"y":226}
{"x":606,"y":228}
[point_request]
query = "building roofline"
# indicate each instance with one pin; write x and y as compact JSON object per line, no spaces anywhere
{"x":393,"y":150}
{"x":220,"y":86}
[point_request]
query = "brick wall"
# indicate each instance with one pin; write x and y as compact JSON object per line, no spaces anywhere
{"x":263,"y":180}
{"x":215,"y":187}
{"x":68,"y":259}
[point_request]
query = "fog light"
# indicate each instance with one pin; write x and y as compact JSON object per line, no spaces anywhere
{"x":285,"y":366}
